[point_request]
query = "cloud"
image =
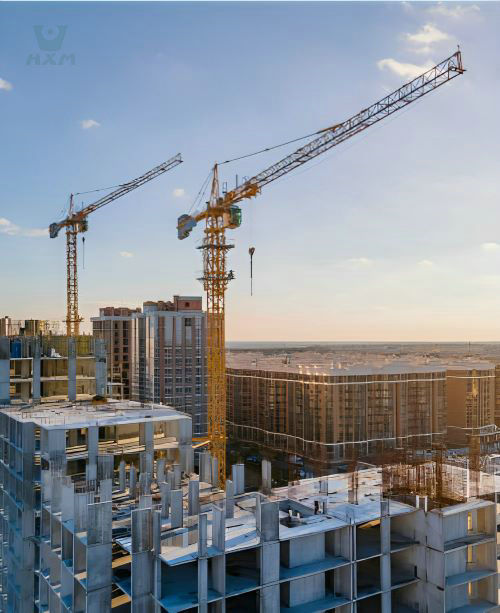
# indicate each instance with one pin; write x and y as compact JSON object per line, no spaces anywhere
{"x":360,"y":262}
{"x":12,"y":229}
{"x":490,"y":246}
{"x":126,"y":254}
{"x":428,"y":35}
{"x":426,"y":264}
{"x":409,"y":71}
{"x":179,"y":192}
{"x":89,"y":123}
{"x":5,"y":85}
{"x":456,"y":11}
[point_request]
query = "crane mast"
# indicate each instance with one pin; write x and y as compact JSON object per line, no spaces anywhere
{"x":222,"y":213}
{"x":76,"y":223}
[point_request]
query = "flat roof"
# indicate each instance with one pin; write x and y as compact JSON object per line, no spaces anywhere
{"x":111,"y":413}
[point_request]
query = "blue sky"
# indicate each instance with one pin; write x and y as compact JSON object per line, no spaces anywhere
{"x":393,"y":236}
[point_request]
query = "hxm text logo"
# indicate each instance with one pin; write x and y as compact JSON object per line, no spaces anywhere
{"x":50,"y":40}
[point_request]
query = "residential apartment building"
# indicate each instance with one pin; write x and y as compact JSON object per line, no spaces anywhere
{"x":113,"y":326}
{"x":168,"y":358}
{"x":471,"y":396}
{"x":341,"y":413}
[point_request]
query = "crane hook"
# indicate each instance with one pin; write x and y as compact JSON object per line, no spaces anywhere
{"x":251,"y":251}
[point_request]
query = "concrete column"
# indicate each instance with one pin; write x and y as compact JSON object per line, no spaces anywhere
{"x":71,"y":369}
{"x":122,"y":476}
{"x":270,"y":598}
{"x":4,"y":370}
{"x":146,"y":435}
{"x":165,"y":499}
{"x":100,"y":367}
{"x":156,"y":532}
{"x":132,"y":481}
{"x":171,"y":480}
{"x":238,"y":474}
{"x":202,"y":535}
{"x":160,"y":470}
{"x":145,"y":484}
{"x":202,"y":585}
{"x":145,"y":501}
{"x":218,"y":528}
{"x":106,"y":490}
{"x":92,"y":452}
{"x":177,"y":516}
{"x":266,"y":476}
{"x":385,"y":527}
{"x":36,"y":386}
{"x":177,"y":476}
{"x":385,"y":572}
{"x":203,"y":468}
{"x":229,"y":498}
{"x":214,"y":466}
{"x":194,"y":497}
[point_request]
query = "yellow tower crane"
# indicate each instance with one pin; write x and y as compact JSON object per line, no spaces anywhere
{"x":222,"y":213}
{"x":76,"y":223}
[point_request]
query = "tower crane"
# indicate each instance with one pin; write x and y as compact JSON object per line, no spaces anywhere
{"x":76,"y":222}
{"x":223,"y":213}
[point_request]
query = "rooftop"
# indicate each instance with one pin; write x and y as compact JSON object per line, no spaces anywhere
{"x":339,"y":365}
{"x":112,"y":412}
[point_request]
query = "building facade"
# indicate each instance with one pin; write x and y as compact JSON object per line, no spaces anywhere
{"x":113,"y":326}
{"x":328,"y":418}
{"x":168,"y":357}
{"x":471,"y":394}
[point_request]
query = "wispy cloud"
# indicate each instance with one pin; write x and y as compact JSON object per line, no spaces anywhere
{"x":12,"y":229}
{"x":179,"y":192}
{"x":490,"y":246}
{"x":126,"y":254}
{"x":426,"y":264}
{"x":424,"y":40}
{"x":361,"y":262}
{"x":428,"y":35}
{"x":454,"y":11}
{"x":5,"y":85}
{"x":89,"y":123}
{"x":402,"y":69}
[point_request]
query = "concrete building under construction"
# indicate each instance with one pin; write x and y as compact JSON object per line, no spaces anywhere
{"x":40,"y":368}
{"x":101,"y":510}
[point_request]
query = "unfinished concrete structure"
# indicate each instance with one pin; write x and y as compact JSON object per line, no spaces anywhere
{"x":116,"y":520}
{"x":40,"y":368}
{"x":71,"y":483}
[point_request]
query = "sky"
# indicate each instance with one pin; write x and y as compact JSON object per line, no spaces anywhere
{"x":394,"y":235}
